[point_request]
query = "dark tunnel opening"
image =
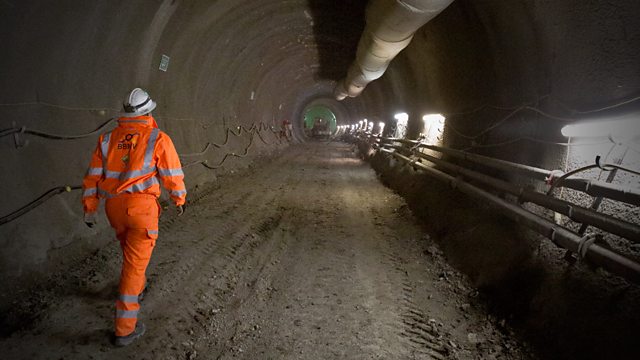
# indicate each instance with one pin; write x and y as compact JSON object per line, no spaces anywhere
{"x":474,"y":195}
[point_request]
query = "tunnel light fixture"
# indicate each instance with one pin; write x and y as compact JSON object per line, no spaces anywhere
{"x":433,"y":118}
{"x":625,"y":128}
{"x":381,"y":125}
{"x":433,"y":128}
{"x":401,"y":116}
{"x":402,"y":120}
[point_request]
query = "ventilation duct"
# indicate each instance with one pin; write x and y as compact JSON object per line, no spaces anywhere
{"x":390,"y":28}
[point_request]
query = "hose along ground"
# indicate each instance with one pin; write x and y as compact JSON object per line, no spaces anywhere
{"x":253,"y":130}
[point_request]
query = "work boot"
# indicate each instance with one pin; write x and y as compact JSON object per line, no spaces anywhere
{"x":121,"y":341}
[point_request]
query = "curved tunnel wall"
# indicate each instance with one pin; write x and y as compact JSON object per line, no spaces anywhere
{"x":243,"y":62}
{"x":232,"y":63}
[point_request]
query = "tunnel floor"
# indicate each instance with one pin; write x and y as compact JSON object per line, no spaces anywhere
{"x":304,"y":256}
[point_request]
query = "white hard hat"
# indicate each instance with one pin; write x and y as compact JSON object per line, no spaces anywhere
{"x":137,"y":103}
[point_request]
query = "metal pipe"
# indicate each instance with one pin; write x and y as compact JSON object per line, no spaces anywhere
{"x":594,"y":188}
{"x":574,"y":212}
{"x":390,"y":27}
{"x":613,"y":262}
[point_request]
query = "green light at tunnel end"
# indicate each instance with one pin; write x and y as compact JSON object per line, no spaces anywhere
{"x":320,"y":111}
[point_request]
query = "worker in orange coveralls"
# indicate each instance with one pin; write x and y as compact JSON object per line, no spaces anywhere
{"x":124,"y":170}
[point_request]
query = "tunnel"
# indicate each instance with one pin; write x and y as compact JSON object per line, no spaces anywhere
{"x":320,"y":118}
{"x":459,"y":179}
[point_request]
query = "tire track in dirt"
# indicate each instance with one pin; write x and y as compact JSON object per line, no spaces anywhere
{"x":422,"y":335}
{"x":415,"y":329}
{"x":163,"y":276}
{"x":252,"y":279}
{"x":199,"y":284}
{"x":215,"y":280}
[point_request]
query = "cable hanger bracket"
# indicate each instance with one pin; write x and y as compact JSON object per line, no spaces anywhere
{"x":18,"y":137}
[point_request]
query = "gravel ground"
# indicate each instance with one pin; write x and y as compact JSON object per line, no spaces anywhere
{"x":304,"y":256}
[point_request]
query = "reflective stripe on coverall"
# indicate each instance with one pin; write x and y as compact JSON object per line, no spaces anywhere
{"x":123,"y":170}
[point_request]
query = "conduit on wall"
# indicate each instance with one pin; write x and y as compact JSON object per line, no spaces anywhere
{"x":390,"y":27}
{"x":457,"y":177}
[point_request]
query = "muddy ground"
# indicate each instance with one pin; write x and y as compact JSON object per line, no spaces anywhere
{"x":304,"y":256}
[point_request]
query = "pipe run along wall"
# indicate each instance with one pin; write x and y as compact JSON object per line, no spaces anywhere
{"x":390,"y":27}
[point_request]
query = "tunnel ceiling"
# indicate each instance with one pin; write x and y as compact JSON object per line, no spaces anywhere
{"x":247,"y":61}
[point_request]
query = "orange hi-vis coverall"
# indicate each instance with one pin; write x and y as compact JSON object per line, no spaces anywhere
{"x":124,"y":170}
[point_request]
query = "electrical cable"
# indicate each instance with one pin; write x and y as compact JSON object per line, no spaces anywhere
{"x":530,"y":108}
{"x":634,"y":172}
{"x":63,"y":107}
{"x":226,"y":156}
{"x":606,"y":157}
{"x":605,"y":167}
{"x":228,"y":131}
{"x":253,"y":130}
{"x":201,"y":152}
{"x":624,"y":102}
{"x":508,"y":142}
{"x":497,"y":107}
{"x":47,"y":135}
{"x":493,"y":126}
{"x":37,"y":202}
{"x":501,"y":121}
{"x":570,"y":110}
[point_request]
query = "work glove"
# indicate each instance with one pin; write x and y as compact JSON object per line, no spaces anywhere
{"x":180,"y":209}
{"x":91,"y":219}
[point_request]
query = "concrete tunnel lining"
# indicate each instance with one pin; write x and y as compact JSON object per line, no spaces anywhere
{"x":69,"y":64}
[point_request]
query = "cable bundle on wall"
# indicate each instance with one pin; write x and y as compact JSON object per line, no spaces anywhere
{"x":458,"y":178}
{"x":255,"y":129}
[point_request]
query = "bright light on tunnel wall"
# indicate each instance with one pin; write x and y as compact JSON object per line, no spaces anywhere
{"x":626,"y":128}
{"x":402,"y":121}
{"x":621,"y":148}
{"x":612,"y":141}
{"x":433,"y":129}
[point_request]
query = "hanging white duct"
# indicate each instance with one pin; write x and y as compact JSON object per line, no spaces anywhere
{"x":390,"y":27}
